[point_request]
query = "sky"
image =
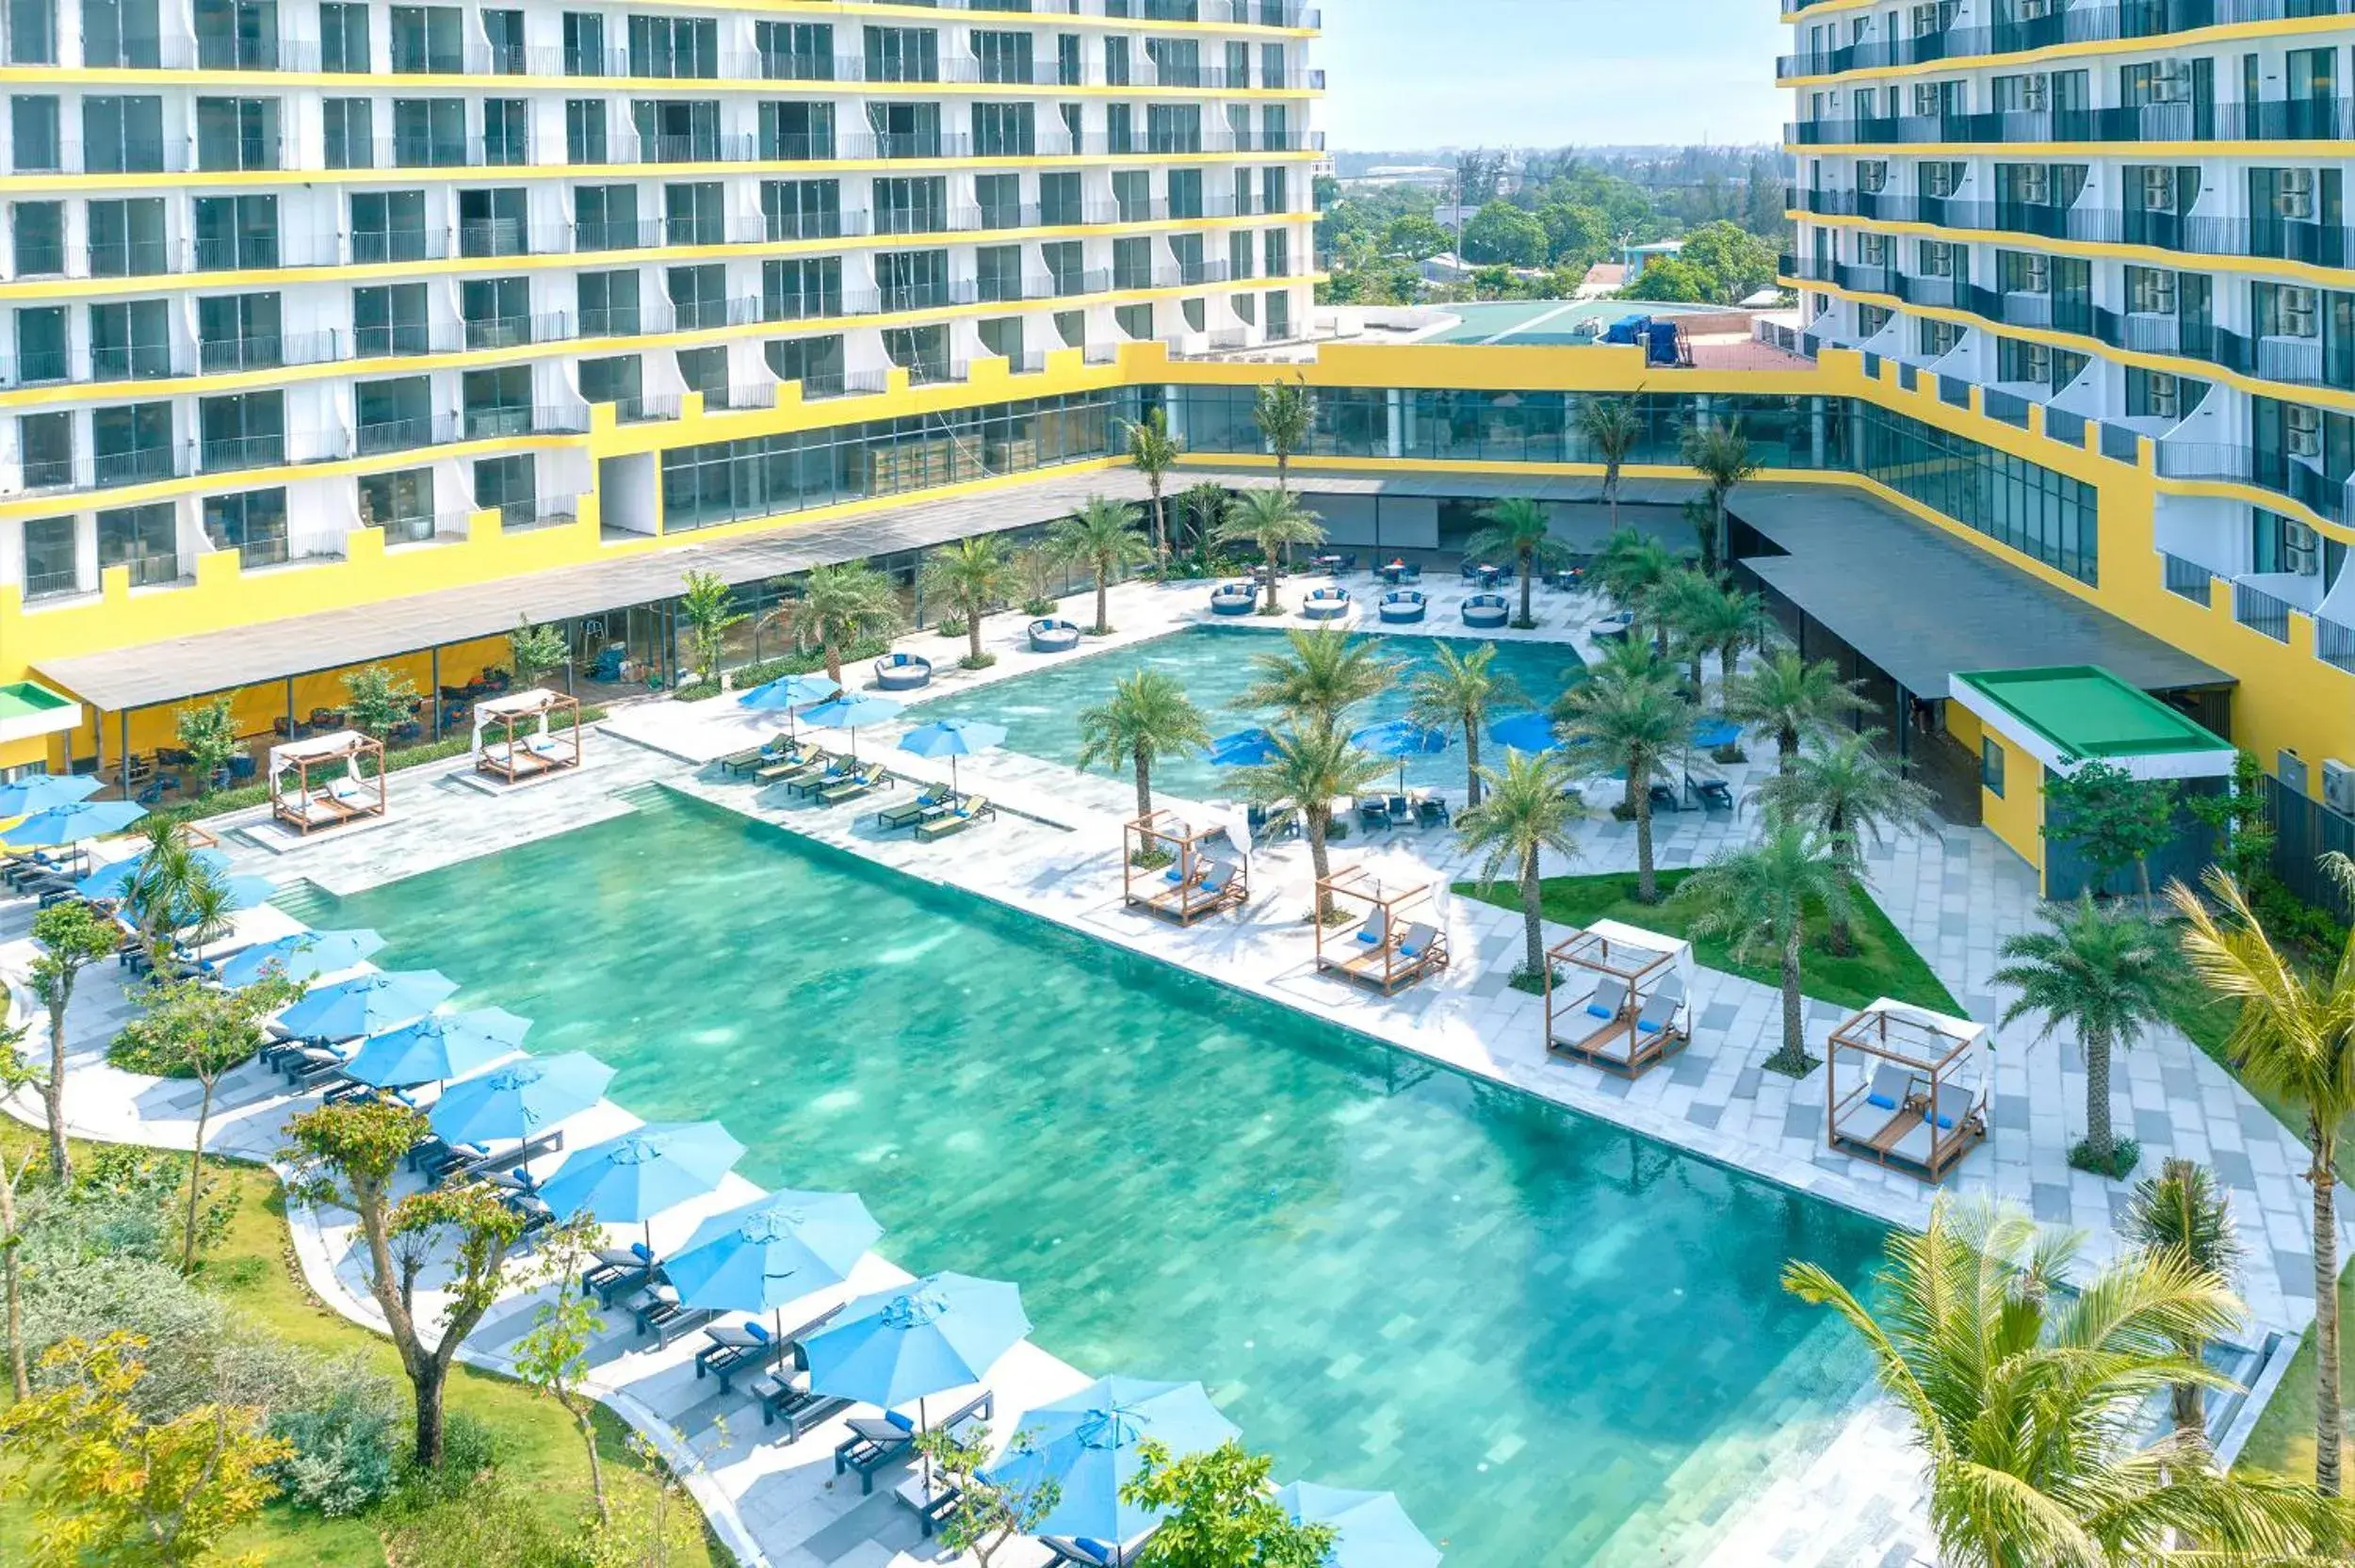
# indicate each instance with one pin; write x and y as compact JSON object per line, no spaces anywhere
{"x":1412,"y":74}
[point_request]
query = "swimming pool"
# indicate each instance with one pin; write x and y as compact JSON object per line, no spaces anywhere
{"x":1041,"y":711}
{"x":1562,"y":1344}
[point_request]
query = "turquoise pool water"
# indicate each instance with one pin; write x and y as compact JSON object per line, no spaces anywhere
{"x":1563,"y":1344}
{"x":1041,"y":711}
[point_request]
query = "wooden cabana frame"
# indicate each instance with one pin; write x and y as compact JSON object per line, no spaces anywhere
{"x":1624,"y":1003}
{"x":553,"y":745}
{"x":1194,"y":882}
{"x":1916,"y":1099}
{"x":1381,"y":948}
{"x":317,"y":799}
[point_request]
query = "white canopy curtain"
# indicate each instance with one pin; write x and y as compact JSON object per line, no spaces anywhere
{"x":536,"y":700}
{"x":284,"y":759}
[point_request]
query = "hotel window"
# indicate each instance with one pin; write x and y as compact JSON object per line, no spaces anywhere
{"x":246,"y":429}
{"x":1277,"y":250}
{"x":1065,"y":265}
{"x":618,"y":379}
{"x":234,"y":232}
{"x":1120,"y":134}
{"x":400,"y":503}
{"x":1003,"y":56}
{"x":32,"y":32}
{"x":1867,"y":101}
{"x":44,"y":443}
{"x":1005,"y":130}
{"x":33,"y":138}
{"x":903,"y":54}
{"x":1992,"y":766}
{"x":1274,"y":190}
{"x":1939,"y":338}
{"x":1185,"y":193}
{"x":253,"y":523}
{"x":814,"y":362}
{"x":344,"y":38}
{"x":2150,"y":291}
{"x":52,"y":557}
{"x":1115,"y":62}
{"x":1132,"y":264}
{"x":692,"y":214}
{"x":125,"y":135}
{"x":1937,"y":259}
{"x":584,"y":43}
{"x":38,"y":240}
{"x":1872,"y":175}
{"x":997,"y":272}
{"x":131,"y":443}
{"x":41,"y":345}
{"x":905,"y":130}
{"x":1002,"y":336}
{"x":389,"y":318}
{"x":912,"y":279}
{"x":698,"y":294}
{"x":798,"y":289}
{"x":505,"y":124}
{"x":674,"y":46}
{"x":1941,"y":177}
{"x":795,"y":51}
{"x":802,"y":209}
{"x":911,"y":206}
{"x":2286,"y":310}
{"x":126,"y":238}
{"x":1871,"y":320}
{"x":2154,"y":394}
{"x":131,"y":339}
{"x":604,"y":217}
{"x":1059,"y":202}
{"x":1239,"y":253}
{"x":2026,"y":94}
{"x":349,"y":133}
{"x":430,"y":133}
{"x":429,"y":41}
{"x":1872,"y":249}
{"x":122,"y":33}
{"x":584,"y":131}
{"x":1135,"y":321}
{"x":144,"y":540}
{"x":1279,"y":315}
{"x":607,"y":302}
{"x":796,"y":133}
{"x":2022,"y":272}
{"x":503,"y":31}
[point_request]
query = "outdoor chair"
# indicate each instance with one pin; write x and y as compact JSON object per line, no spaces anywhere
{"x":875,"y":1443}
{"x":972,"y":809}
{"x":1662,"y":798}
{"x":1717,"y":794}
{"x":1431,"y":812}
{"x":1374,"y":813}
{"x":616,"y":1271}
{"x":799,"y":1409}
{"x":907,"y":814}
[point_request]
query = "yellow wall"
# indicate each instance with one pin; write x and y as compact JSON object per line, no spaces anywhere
{"x":2017,"y":816}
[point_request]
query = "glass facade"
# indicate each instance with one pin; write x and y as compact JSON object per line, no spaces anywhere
{"x":2046,"y":516}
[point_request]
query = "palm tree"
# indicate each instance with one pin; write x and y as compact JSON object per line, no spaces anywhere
{"x":2295,"y":1038}
{"x":1459,"y":691}
{"x":1611,"y":427}
{"x":1147,"y":717}
{"x":2182,"y":1210}
{"x":1758,"y":898}
{"x":1631,"y":566}
{"x":158,"y":893}
{"x":2107,"y":976}
{"x":1271,"y":521}
{"x":1153,"y":452}
{"x":1284,"y":412}
{"x":1314,"y":764}
{"x":1530,"y":809}
{"x":1204,"y":504}
{"x":1102,"y":536}
{"x":1849,"y":791}
{"x":1629,"y":715}
{"x":972,"y":575}
{"x":1721,"y":454}
{"x":2029,"y":1402}
{"x":842,"y":606}
{"x":1517,"y":528}
{"x":1795,"y":699}
{"x":1711,"y":616}
{"x":1318,"y":676}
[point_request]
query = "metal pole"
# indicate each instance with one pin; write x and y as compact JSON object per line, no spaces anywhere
{"x":124,"y":731}
{"x":434,"y":665}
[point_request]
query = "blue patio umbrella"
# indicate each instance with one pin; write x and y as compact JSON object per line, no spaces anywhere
{"x":851,"y":712}
{"x":1369,"y":1528}
{"x":942,"y":1332}
{"x":366,"y":1004}
{"x":304,"y":955}
{"x":40,"y":791}
{"x":1532,"y":732}
{"x":1090,"y":1444}
{"x":73,"y":821}
{"x":520,"y":1098}
{"x":437,"y":1046}
{"x":1401,"y":738}
{"x":240,"y":893}
{"x":776,"y":1249}
{"x":1244,"y":749}
{"x":643,"y":1172}
{"x":788,"y":692}
{"x":1709,"y":734}
{"x":114,"y":878}
{"x":953,"y":738}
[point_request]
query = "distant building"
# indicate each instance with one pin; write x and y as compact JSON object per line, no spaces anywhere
{"x":1432,"y":176}
{"x":1639,"y":257}
{"x":1446,"y":268}
{"x":1602,"y":280}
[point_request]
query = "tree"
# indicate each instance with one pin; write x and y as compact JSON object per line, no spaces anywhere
{"x":12,"y":1243}
{"x":1272,"y":521}
{"x":1516,"y":528}
{"x":1797,"y":699}
{"x":1147,"y":717}
{"x":158,"y":894}
{"x":1721,"y":455}
{"x":1414,"y":236}
{"x":2107,"y":975}
{"x":1153,"y":452}
{"x":707,"y":606}
{"x":972,"y":575}
{"x":1634,"y":569}
{"x":112,"y":1488}
{"x":1218,"y":1511}
{"x":2113,"y":818}
{"x":1855,"y":796}
{"x":1531,"y":808}
{"x":72,"y":937}
{"x":1313,"y":766}
{"x":1629,"y":717}
{"x":1202,"y":506}
{"x":1459,"y":691}
{"x":842,"y":606}
{"x":1578,"y":234}
{"x":1612,"y":428}
{"x":1707,"y":615}
{"x":1673,"y":277}
{"x":1284,"y":412}
{"x":1040,"y":571}
{"x":2293,"y":1038}
{"x":1759,"y":898}
{"x":209,"y":732}
{"x":1318,"y":675}
{"x":1101,"y":536}
{"x":552,"y":1357}
{"x":1502,"y":234}
{"x":536,"y":649}
{"x":2029,"y":1399}
{"x":2184,"y":1212}
{"x":986,"y":1515}
{"x":348,"y":1155}
{"x":1736,"y":265}
{"x":2241,"y":817}
{"x":378,"y":700}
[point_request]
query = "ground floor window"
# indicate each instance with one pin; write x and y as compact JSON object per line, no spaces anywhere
{"x":1992,"y":766}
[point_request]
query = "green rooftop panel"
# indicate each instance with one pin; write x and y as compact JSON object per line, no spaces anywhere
{"x":2084,"y":710}
{"x":23,"y":699}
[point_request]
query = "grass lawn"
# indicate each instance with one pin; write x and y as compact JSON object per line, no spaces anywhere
{"x":1883,"y":965}
{"x":253,"y":1271}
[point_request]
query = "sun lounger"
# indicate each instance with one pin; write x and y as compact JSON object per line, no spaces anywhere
{"x":793,"y":769}
{"x":617,"y":1270}
{"x":656,"y":1309}
{"x":1080,"y":1552}
{"x":1220,"y":887}
{"x":865,"y":782}
{"x":537,"y":1215}
{"x":736,"y":1346}
{"x":1662,"y":798}
{"x":1431,"y":812}
{"x":811,"y":779}
{"x":1717,"y":794}
{"x":908,"y":813}
{"x":972,"y":809}
{"x":1656,"y":1013}
{"x":1374,"y":812}
{"x":875,"y":1442}
{"x":793,"y":1405}
{"x":1881,"y":1117}
{"x":1423,"y":947}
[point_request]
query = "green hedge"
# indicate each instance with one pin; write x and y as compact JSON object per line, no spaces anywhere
{"x":765,"y":670}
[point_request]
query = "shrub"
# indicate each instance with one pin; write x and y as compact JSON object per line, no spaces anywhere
{"x":950,"y":625}
{"x":1038,"y":608}
{"x":480,"y":1522}
{"x":969,"y":662}
{"x":694,"y":691}
{"x":346,"y":1451}
{"x":803,"y":663}
{"x":470,"y":1453}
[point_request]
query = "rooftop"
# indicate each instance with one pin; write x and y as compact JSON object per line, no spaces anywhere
{"x":2083,"y":711}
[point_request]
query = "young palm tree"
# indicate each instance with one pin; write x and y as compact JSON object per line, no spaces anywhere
{"x":1528,"y":810}
{"x":841,"y":606}
{"x":1460,"y":692}
{"x":1632,"y":567}
{"x":1284,"y":411}
{"x":2295,"y":1038}
{"x":1758,"y":898}
{"x":1147,"y":717}
{"x":1269,"y":521}
{"x":1850,"y":792}
{"x":1516,"y":528}
{"x":2030,"y":1401}
{"x":1795,"y":699}
{"x":1318,"y":676}
{"x":1102,"y":536}
{"x":1708,"y":615}
{"x":1153,"y":452}
{"x":1721,"y":454}
{"x":158,"y":893}
{"x":1629,"y":715}
{"x":2182,"y":1210}
{"x":1611,"y":428}
{"x":1314,"y":764}
{"x":1201,"y":506}
{"x":972,"y":575}
{"x":2105,"y":974}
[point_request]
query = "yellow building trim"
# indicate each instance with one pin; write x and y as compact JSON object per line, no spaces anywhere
{"x":2295,"y":152}
{"x":201,"y":79}
{"x":2093,"y":249}
{"x":2209,"y":37}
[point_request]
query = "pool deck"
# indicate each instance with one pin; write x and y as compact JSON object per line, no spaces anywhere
{"x":1955,"y":894}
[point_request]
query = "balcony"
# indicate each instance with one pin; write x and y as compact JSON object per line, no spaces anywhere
{"x":2188,"y":579}
{"x":2260,"y":611}
{"x":2318,"y":120}
{"x":2080,"y":23}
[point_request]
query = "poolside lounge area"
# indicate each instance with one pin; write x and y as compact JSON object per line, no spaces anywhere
{"x":1908,"y":1088}
{"x":1393,"y":942}
{"x":1181,"y":872}
{"x":502,"y":749}
{"x":1619,"y":997}
{"x":328,"y":781}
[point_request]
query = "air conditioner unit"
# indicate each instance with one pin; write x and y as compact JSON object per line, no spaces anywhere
{"x":1926,"y":98}
{"x":2166,"y":90}
{"x":2301,"y":549}
{"x":2162,"y":392}
{"x":2294,"y":197}
{"x":2299,"y":307}
{"x":2290,"y":768}
{"x":2338,"y":787}
{"x":2041,"y":363}
{"x":2035,"y":93}
{"x":2301,"y":429}
{"x":2036,"y":275}
{"x":2034,"y":184}
{"x":2031,"y":10}
{"x":1872,"y":175}
{"x":2158,"y":189}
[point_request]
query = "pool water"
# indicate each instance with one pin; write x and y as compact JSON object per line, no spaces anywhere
{"x":1040,"y":710}
{"x":1560,"y":1343}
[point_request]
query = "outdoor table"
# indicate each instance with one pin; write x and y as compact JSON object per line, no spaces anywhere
{"x":1393,"y":572}
{"x":1487,"y":576}
{"x":1330,"y":563}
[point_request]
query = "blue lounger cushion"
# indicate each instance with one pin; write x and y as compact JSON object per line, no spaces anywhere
{"x":1595,"y":1009}
{"x":1097,"y":1549}
{"x":898,"y":1420}
{"x":1881,"y":1100}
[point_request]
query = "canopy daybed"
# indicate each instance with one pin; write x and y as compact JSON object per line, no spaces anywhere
{"x":502,"y":752}
{"x":1193,"y":880}
{"x":1385,"y":948}
{"x":1907,"y":1088}
{"x":1624,"y":1001}
{"x":327,"y":781}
